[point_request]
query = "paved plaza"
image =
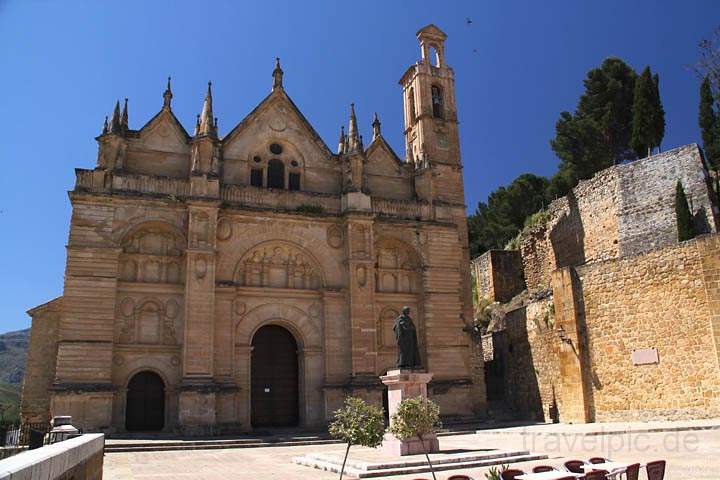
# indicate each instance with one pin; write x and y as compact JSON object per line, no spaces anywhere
{"x":690,"y":453}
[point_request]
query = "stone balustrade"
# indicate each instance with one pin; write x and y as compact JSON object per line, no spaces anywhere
{"x":245,"y":196}
{"x":79,"y":458}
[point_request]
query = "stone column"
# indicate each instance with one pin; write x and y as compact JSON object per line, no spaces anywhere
{"x":197,"y":395}
{"x":404,"y":384}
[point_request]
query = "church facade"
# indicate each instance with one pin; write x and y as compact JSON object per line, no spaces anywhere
{"x":251,"y":280}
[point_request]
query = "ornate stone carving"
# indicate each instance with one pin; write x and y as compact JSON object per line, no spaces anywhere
{"x":200,"y":228}
{"x":150,"y":322}
{"x":397,"y":268}
{"x":361,"y":275}
{"x":118,"y":360}
{"x":152,"y":255}
{"x":175,"y":360}
{"x":172,"y":309}
{"x":200,"y":268}
{"x":335,"y":236}
{"x":224,"y":229}
{"x":315,"y":310}
{"x":127,"y":306}
{"x":280,"y":265}
{"x":359,"y":240}
{"x":240,"y":307}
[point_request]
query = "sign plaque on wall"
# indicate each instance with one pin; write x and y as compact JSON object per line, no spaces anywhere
{"x":645,"y":356}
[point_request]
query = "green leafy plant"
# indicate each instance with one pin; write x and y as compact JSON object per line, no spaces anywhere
{"x":495,"y":473}
{"x":358,"y":423}
{"x":415,"y":418}
{"x":313,"y":209}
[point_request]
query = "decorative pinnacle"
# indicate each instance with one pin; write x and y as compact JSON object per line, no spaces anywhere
{"x":167,"y":95}
{"x":105,"y":126}
{"x":277,"y":75}
{"x":115,"y":125}
{"x":125,"y":116}
{"x":376,"y":126}
{"x":341,"y":142}
{"x":207,"y":126}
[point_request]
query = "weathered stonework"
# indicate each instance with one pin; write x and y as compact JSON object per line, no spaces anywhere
{"x":498,"y":275}
{"x":622,"y":210}
{"x":182,"y":247}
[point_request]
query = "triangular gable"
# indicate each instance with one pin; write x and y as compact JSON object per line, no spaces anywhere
{"x":275,"y":96}
{"x":381,"y":152}
{"x":153,"y":133}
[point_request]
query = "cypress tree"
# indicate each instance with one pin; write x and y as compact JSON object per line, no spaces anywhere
{"x":709,"y":125}
{"x":685,"y":225}
{"x":644,"y":111}
{"x":658,"y":123}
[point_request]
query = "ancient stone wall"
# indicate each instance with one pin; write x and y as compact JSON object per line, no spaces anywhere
{"x":499,"y":275}
{"x":622,"y":210}
{"x":531,"y":366}
{"x":661,"y":300}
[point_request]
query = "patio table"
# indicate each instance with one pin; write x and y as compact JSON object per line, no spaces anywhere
{"x":554,"y":475}
{"x":614,"y":469}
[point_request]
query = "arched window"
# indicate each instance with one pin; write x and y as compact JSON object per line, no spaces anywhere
{"x":434,"y":58}
{"x":276,"y":174}
{"x":411,"y":103}
{"x":437,"y":102}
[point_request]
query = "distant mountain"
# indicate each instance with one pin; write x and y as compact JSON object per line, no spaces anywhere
{"x":13,"y":354}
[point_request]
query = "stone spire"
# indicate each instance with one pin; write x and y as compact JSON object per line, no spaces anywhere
{"x":105,"y":126}
{"x":124,"y":120}
{"x":115,"y":122}
{"x":277,"y":75}
{"x":207,"y":124}
{"x":353,"y":139}
{"x":167,"y":96}
{"x":341,"y":142}
{"x":376,"y":126}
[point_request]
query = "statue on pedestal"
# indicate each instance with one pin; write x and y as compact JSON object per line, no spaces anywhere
{"x":406,"y":337}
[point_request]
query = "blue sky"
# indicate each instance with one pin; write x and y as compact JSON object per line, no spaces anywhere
{"x":518,"y":64}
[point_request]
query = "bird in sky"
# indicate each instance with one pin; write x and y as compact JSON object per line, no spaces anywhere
{"x":468,"y":20}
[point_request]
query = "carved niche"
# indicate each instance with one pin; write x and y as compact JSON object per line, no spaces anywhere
{"x":152,"y":254}
{"x":149,"y":322}
{"x":385,"y":333}
{"x":397,"y":268}
{"x":279,"y":265}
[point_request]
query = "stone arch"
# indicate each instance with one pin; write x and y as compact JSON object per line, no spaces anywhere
{"x":397,"y":267}
{"x":143,"y":223}
{"x":299,"y":323}
{"x":280,"y":264}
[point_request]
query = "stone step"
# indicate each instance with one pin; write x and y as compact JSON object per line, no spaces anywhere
{"x":213,"y":445}
{"x":415,"y":468}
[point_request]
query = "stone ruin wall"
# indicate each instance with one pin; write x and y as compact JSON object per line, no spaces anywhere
{"x":532,"y":367}
{"x":498,"y":275}
{"x":668,"y":299}
{"x":622,"y":210}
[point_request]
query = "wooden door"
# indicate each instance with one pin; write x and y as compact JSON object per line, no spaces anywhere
{"x":274,"y":371}
{"x":145,"y":408}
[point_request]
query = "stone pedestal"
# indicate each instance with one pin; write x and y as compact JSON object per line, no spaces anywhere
{"x":404,"y":384}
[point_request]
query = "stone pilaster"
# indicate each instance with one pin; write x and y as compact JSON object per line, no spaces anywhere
{"x":361,"y":289}
{"x":197,"y":400}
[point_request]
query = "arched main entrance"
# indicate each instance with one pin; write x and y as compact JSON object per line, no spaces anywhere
{"x":274,"y":372}
{"x":145,"y":409}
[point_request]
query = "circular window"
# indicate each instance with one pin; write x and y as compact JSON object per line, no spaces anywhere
{"x":257,"y":159}
{"x":276,"y":149}
{"x":294,"y":163}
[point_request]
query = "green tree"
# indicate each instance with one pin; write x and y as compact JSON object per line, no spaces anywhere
{"x":685,"y":225}
{"x":500,"y":219}
{"x":598,"y":134}
{"x":709,"y":125}
{"x":415,"y":418}
{"x":644,"y":123}
{"x":658,"y":124}
{"x":357,"y":423}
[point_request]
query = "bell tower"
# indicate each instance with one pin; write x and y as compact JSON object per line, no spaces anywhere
{"x":431,"y":133}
